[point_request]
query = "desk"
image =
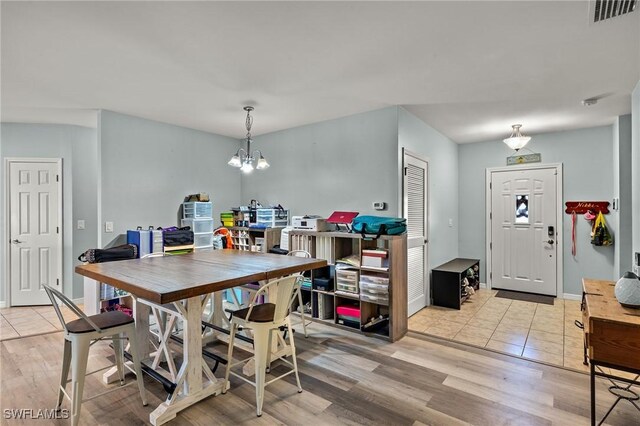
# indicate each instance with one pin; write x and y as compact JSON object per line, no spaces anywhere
{"x":612,"y":337}
{"x":188,"y":278}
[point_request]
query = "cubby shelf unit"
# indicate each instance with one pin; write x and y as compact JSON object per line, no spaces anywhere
{"x":333,"y":246}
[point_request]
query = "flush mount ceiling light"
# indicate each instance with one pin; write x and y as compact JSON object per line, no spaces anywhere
{"x":244,"y":159}
{"x":517,"y":140}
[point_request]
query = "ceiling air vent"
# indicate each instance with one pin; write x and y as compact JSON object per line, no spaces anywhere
{"x":601,"y":10}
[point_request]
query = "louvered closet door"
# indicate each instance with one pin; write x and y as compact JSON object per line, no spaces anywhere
{"x":415,"y":186}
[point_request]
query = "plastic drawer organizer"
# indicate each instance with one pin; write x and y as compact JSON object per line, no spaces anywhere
{"x":199,"y":226}
{"x":272,"y":218}
{"x":197,"y":210}
{"x":199,"y":216}
{"x":374,"y":289}
{"x":347,"y":280}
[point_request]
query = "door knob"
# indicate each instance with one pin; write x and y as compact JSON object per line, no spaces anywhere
{"x":549,"y":241}
{"x":16,"y":242}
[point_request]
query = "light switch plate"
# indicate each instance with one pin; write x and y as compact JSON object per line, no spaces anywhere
{"x":108,"y":227}
{"x":80,"y":223}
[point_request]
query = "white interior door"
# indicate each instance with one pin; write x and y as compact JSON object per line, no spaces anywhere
{"x":35,"y":237}
{"x":415,"y":184}
{"x":524,"y":231}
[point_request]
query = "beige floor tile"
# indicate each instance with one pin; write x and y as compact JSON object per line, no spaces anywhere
{"x":471,"y":339}
{"x":504,"y":347}
{"x":543,"y":356}
{"x":444,"y":329}
{"x":478,"y":331}
{"x":514,"y":338}
{"x":486,"y":313}
{"x":457,"y":316}
{"x":572,"y":342}
{"x":506,"y":327}
{"x":576,"y":365}
{"x":490,"y":324}
{"x":544,"y":346}
{"x":13,"y":313}
{"x":545,"y":337}
{"x":519,"y":322}
{"x":8,"y":333}
{"x":547,"y":325}
{"x":36,"y":327}
{"x":548,"y":316}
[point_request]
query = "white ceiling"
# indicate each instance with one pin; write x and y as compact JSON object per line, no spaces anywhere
{"x":468,"y":68}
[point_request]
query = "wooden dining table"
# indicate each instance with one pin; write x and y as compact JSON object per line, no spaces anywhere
{"x":190,"y":278}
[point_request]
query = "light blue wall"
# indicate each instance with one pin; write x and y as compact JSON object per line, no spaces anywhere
{"x":77,"y":148}
{"x":635,"y":165}
{"x":587,"y":157}
{"x":622,"y":217}
{"x":420,"y":138}
{"x":147,"y":167}
{"x":343,"y":164}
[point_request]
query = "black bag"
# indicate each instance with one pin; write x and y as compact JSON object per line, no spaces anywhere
{"x":123,"y":252}
{"x":179,"y":237}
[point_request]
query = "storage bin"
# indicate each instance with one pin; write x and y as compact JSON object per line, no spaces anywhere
{"x":197,"y":210}
{"x":203,"y":240}
{"x":374,"y":279}
{"x":375,"y":258}
{"x":374,"y":288}
{"x":272,"y":218}
{"x":199,"y":226}
{"x":377,"y":299}
{"x":347,"y":280}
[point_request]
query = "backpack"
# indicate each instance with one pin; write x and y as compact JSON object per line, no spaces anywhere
{"x":111,"y":254}
{"x":378,"y":225}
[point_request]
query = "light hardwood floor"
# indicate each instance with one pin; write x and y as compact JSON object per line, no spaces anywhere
{"x":347,"y":379}
{"x":535,"y":331}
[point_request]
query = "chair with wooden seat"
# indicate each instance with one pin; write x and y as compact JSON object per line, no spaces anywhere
{"x":265,"y":319}
{"x":82,"y":333}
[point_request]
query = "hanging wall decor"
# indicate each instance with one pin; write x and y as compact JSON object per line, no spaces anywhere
{"x":581,"y":207}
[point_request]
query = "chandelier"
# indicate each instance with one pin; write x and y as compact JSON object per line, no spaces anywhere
{"x":517,"y":140}
{"x":244,"y":158}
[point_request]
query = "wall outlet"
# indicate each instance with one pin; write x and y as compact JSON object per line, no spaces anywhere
{"x":450,"y":223}
{"x":108,"y":227}
{"x":80,"y":224}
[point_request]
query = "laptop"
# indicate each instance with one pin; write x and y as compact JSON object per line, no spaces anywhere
{"x":342,"y":218}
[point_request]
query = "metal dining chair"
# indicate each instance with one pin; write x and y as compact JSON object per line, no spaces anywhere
{"x":265,"y":319}
{"x":305,"y":254}
{"x":79,"y":336}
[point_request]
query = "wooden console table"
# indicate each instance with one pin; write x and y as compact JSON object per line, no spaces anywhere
{"x":612,"y":339}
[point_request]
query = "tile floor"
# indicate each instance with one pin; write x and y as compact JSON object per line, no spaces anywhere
{"x":31,"y":320}
{"x":530,"y":330}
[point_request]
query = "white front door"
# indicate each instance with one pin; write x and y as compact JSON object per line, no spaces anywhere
{"x":35,"y":237}
{"x":524,"y":230}
{"x":415,"y":184}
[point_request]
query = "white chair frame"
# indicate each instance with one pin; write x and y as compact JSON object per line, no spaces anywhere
{"x":76,"y":355}
{"x":285,"y":294}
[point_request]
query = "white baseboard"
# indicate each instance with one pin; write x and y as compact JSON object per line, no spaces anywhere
{"x":483,"y":285}
{"x":569,"y":296}
{"x":3,"y":304}
{"x":79,"y":301}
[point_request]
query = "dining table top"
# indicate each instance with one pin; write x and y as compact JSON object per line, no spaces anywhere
{"x":165,"y":279}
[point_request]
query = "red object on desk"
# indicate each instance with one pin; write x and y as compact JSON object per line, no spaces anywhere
{"x":581,"y":207}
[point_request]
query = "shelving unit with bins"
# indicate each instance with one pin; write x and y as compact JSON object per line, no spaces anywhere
{"x":199,"y":216}
{"x":374,"y":291}
{"x":246,"y":238}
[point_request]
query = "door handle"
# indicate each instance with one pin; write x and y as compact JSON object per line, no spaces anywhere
{"x":16,"y":242}
{"x":549,"y":242}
